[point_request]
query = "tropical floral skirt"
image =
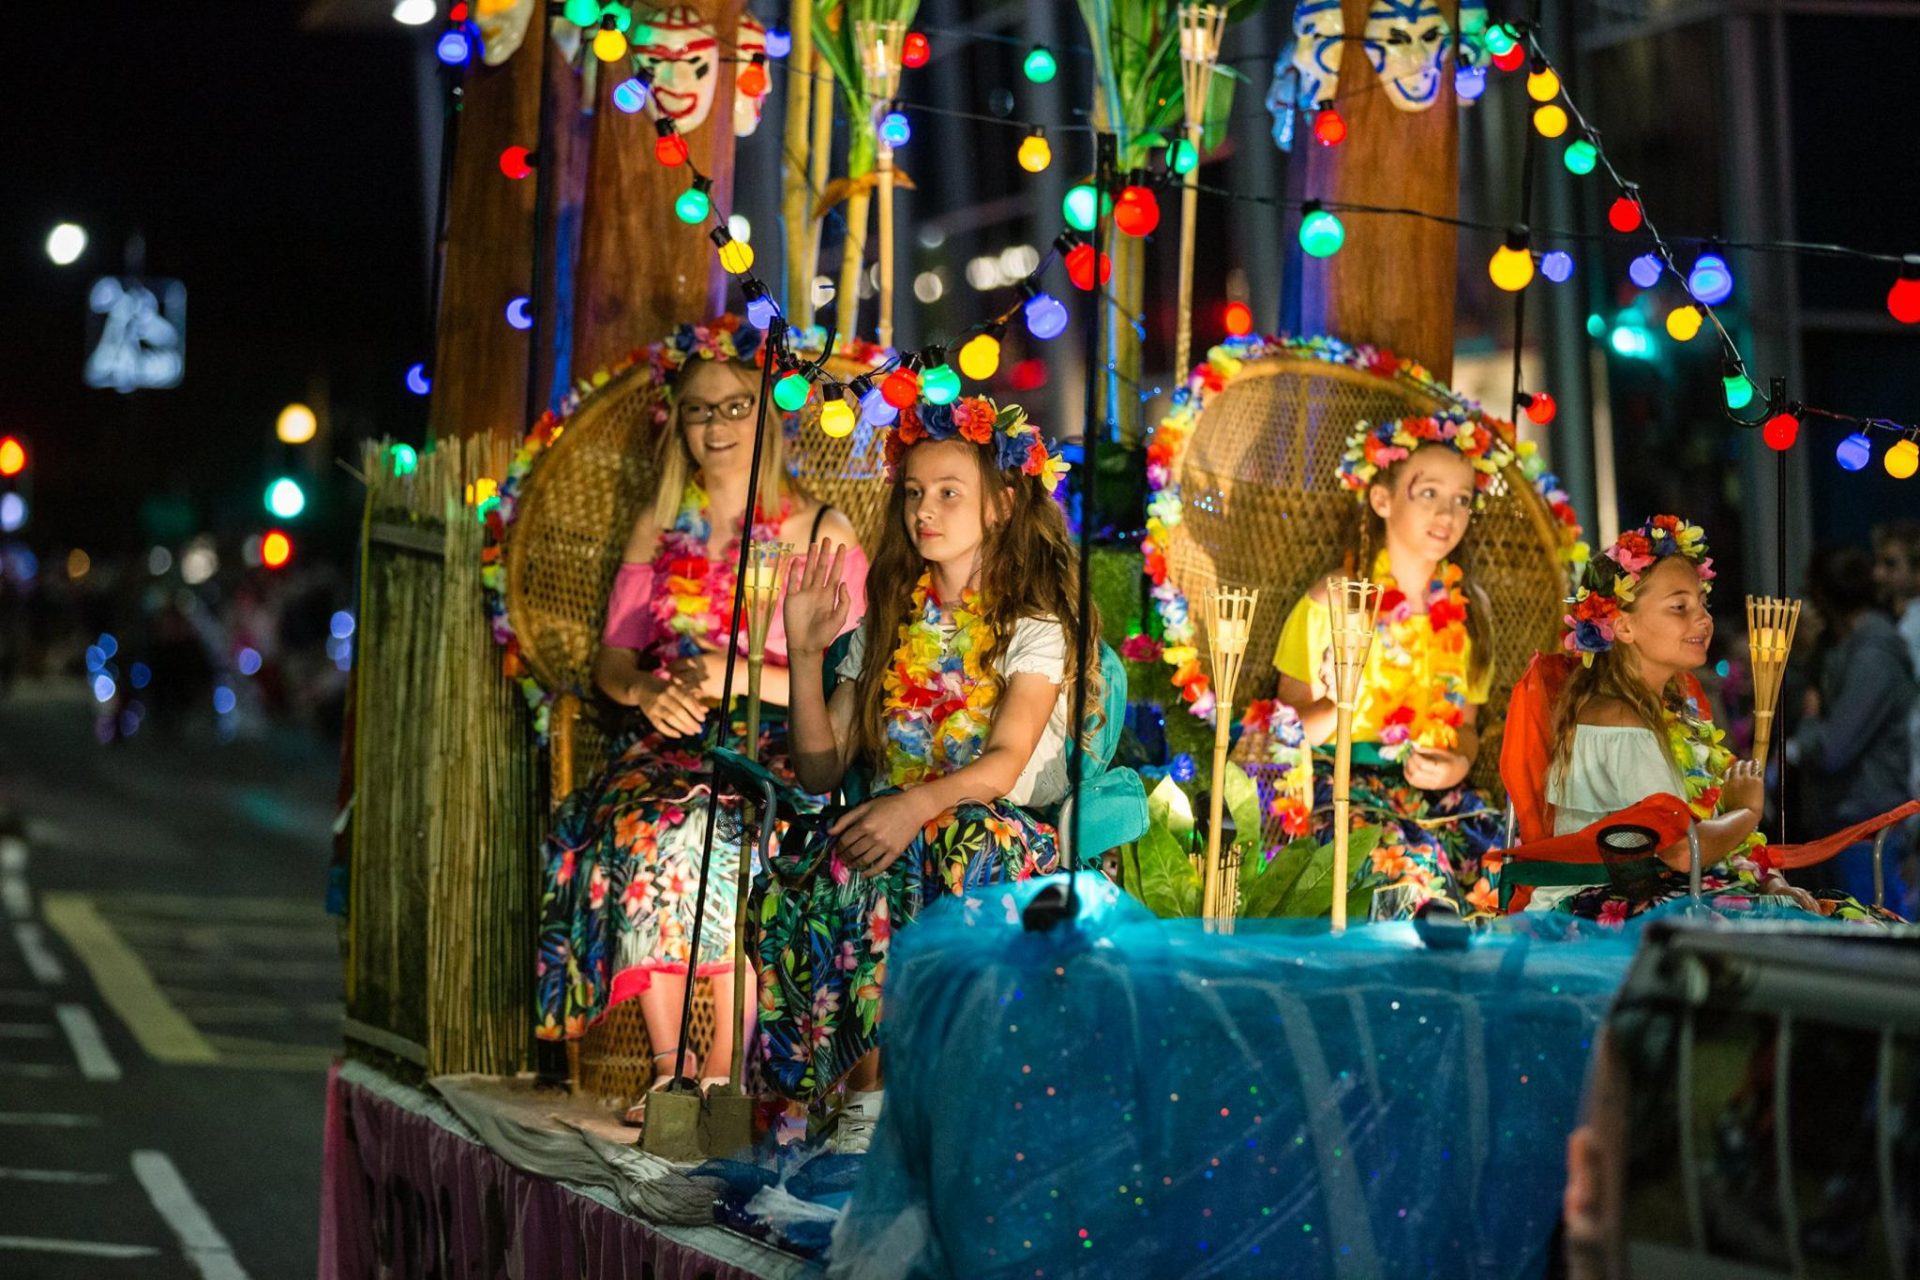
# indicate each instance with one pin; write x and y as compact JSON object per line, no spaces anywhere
{"x":1726,"y":890}
{"x":1431,"y":842}
{"x":823,"y":931}
{"x":620,"y":881}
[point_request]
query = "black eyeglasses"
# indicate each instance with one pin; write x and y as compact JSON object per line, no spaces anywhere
{"x":696,"y":414}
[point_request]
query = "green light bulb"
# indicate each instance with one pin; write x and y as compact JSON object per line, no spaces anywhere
{"x":692,"y":206}
{"x":583,"y":13}
{"x":940,"y":384}
{"x":792,"y":391}
{"x":1581,"y":156}
{"x":1078,"y":207}
{"x":1182,"y":156}
{"x":1321,"y":234}
{"x":406,"y":459}
{"x":1500,"y":39}
{"x":1739,"y":389}
{"x":1040,"y":65}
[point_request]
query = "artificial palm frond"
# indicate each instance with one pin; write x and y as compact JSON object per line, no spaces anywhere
{"x":1136,"y":59}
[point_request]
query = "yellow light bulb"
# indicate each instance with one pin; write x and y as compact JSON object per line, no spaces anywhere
{"x":1550,"y":120}
{"x":1902,"y":460}
{"x":1035,"y":154}
{"x":1543,"y":85}
{"x":836,"y":419}
{"x":980,"y":357}
{"x":1683,"y":323}
{"x":1511,"y":269}
{"x":609,"y":45}
{"x":736,"y":257}
{"x":296,"y":424}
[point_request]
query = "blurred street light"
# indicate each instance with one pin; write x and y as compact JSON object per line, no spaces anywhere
{"x":414,"y":13}
{"x":296,"y":424}
{"x":65,"y":243}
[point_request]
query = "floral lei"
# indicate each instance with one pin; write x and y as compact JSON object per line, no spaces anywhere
{"x":1017,"y":442}
{"x":1409,"y":710}
{"x":940,"y":695}
{"x":1696,"y":748}
{"x":1610,"y":579}
{"x":1292,"y":780}
{"x":1169,"y":439}
{"x":700,"y":589}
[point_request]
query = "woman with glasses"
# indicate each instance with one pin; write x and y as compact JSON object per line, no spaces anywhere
{"x":622,"y":866}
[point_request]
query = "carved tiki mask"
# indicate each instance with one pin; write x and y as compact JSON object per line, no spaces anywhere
{"x":680,"y":56}
{"x":1407,"y":41}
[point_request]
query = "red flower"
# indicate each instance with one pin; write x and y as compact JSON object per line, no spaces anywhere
{"x":910,"y":429}
{"x":1384,"y":363}
{"x":1392,"y":598}
{"x":973,"y":418}
{"x":1444,"y":613}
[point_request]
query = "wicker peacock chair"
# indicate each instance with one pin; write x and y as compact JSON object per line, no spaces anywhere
{"x":1262,"y":506}
{"x":572,"y":517}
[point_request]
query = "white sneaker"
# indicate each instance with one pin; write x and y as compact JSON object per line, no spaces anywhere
{"x":853,"y":1132}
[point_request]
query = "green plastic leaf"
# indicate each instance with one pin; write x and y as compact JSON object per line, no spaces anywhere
{"x":1265,"y":882}
{"x":1243,"y":802}
{"x":1169,"y":886}
{"x":1169,"y":807}
{"x":1311,"y":895}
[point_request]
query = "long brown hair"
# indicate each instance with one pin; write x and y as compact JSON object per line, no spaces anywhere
{"x":1612,"y":674}
{"x":1029,"y":568}
{"x":1366,"y":535}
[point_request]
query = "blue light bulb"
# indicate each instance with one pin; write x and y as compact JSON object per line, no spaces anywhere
{"x":454,"y":48}
{"x":779,"y":42}
{"x":1854,"y":452}
{"x":894,"y":129}
{"x":761,"y":311}
{"x":1711,"y":279}
{"x":1469,"y":83}
{"x":1645,"y":271}
{"x":1046,"y":317}
{"x":630,"y":95}
{"x":1557,"y":266}
{"x":875,"y":409}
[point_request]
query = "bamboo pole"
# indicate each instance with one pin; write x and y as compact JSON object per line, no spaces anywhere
{"x":853,"y":257}
{"x":796,"y":200}
{"x":1355,"y":605}
{"x":1201,"y":26}
{"x":819,"y":158}
{"x":1229,"y":627}
{"x":1771,"y":623}
{"x":878,"y":42}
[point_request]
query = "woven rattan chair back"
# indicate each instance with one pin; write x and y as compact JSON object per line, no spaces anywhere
{"x":1263,"y":507}
{"x":848,"y":473}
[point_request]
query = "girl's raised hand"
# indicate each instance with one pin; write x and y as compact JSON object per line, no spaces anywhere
{"x":817,"y":600}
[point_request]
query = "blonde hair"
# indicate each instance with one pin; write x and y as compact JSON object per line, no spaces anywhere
{"x":675,"y":459}
{"x":1029,"y":568}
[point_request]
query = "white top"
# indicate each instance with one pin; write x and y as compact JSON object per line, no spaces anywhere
{"x":1039,"y":646}
{"x":1612,"y":767}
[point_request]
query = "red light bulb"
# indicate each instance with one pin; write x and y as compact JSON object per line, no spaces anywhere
{"x":514,"y":163}
{"x":458,"y":13}
{"x":1137,"y":211}
{"x":670,"y":149}
{"x":1541,"y":408}
{"x":1238,"y":319}
{"x":900,"y":388}
{"x":1512,"y":60}
{"x":1624,"y":215}
{"x":914,"y":50}
{"x":1781,"y":431}
{"x":1080,"y":267}
{"x":752,"y":81}
{"x":1329,"y":127}
{"x":1903,"y":300}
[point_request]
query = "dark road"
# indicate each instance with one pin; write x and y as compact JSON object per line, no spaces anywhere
{"x":169,"y":999}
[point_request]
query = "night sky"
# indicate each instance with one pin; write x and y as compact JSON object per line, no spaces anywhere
{"x":277,"y":172}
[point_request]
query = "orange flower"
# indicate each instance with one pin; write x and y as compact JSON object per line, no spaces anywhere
{"x":1483,"y":898}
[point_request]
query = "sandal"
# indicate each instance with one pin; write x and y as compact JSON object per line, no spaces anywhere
{"x":636,"y":1115}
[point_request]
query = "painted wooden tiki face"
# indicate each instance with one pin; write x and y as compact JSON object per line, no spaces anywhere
{"x":1407,"y":41}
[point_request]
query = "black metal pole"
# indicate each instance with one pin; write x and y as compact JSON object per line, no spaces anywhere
{"x":724,"y":728}
{"x":1780,"y":588}
{"x":543,"y":177}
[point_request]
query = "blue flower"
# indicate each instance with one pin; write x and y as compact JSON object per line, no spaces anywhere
{"x":1588,"y":636}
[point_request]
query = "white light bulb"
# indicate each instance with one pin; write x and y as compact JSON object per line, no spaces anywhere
{"x":65,"y":244}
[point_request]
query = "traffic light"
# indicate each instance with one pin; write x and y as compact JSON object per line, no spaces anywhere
{"x":15,"y":485}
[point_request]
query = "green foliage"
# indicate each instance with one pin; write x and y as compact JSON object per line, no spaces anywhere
{"x":1298,"y":880}
{"x":1136,"y":56}
{"x":833,"y":28}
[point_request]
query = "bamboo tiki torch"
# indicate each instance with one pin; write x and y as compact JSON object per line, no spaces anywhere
{"x":1201,"y":26}
{"x":1770,"y":627}
{"x":880,"y":42}
{"x":1229,"y":627}
{"x":765,"y":561}
{"x":796,"y":200}
{"x":1354,"y":604}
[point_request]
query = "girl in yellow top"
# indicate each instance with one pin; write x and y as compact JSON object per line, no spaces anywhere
{"x":1427,"y":674}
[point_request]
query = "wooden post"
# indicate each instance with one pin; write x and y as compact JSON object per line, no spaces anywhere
{"x":641,"y":270}
{"x":480,"y":362}
{"x":796,"y":200}
{"x":1393,"y":283}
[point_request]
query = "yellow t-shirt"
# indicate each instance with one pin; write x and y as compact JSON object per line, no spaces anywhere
{"x":1416,"y":686}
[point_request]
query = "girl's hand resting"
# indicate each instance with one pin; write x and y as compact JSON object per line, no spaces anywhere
{"x":1745,"y":787}
{"x":871,"y":837}
{"x":1432,"y":769}
{"x":672,"y":706}
{"x":817,"y":600}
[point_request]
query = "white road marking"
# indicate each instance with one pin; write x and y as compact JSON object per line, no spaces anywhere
{"x":89,"y":1046}
{"x":48,"y":1119}
{"x":85,"y":1248}
{"x":45,"y":966}
{"x":206,"y":1248}
{"x":68,"y":1176}
{"x":24,"y":1031}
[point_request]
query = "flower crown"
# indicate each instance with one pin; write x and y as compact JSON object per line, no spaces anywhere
{"x":1016,"y":441}
{"x":1610,"y":579}
{"x":1373,"y":447}
{"x":726,"y":337}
